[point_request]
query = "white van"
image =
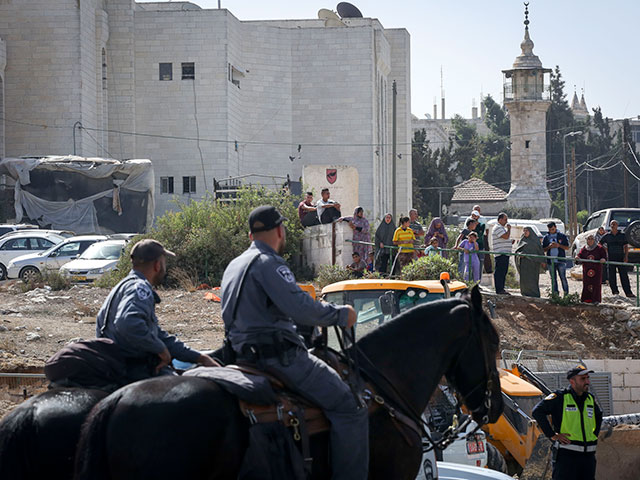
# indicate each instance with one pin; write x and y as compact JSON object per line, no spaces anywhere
{"x":517,"y":227}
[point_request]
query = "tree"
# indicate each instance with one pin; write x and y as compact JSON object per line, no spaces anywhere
{"x":432,"y":174}
{"x":492,"y":161}
{"x":466,"y":144}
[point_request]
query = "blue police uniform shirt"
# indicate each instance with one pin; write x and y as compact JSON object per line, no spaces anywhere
{"x":133,"y":324}
{"x":270,"y":300}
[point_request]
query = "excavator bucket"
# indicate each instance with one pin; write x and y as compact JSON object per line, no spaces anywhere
{"x":538,"y":466}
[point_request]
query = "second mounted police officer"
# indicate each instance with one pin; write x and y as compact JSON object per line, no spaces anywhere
{"x":128,"y":317}
{"x":260,"y":303}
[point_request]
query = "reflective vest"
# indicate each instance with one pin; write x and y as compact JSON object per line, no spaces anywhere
{"x":579,"y":426}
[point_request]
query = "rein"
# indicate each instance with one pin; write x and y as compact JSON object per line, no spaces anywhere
{"x":404,"y":406}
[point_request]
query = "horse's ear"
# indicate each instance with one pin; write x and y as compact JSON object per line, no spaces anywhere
{"x":476,"y":298}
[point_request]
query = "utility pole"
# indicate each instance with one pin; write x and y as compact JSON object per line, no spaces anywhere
{"x":393,"y":153}
{"x":625,"y":140}
{"x":574,"y":194}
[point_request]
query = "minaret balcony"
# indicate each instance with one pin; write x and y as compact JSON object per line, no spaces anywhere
{"x":528,"y":93}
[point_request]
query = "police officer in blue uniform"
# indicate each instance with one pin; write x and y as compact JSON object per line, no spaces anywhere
{"x":128,"y":317}
{"x":576,"y":419}
{"x":260,"y":303}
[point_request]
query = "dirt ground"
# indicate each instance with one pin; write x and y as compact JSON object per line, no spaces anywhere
{"x":35,"y":324}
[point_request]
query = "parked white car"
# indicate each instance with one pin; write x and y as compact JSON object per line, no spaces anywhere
{"x":602,"y":218}
{"x":11,"y":227}
{"x":98,"y":259}
{"x":16,"y":244}
{"x":28,"y":267}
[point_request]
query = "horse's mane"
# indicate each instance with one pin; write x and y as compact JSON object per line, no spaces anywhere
{"x":404,"y":324}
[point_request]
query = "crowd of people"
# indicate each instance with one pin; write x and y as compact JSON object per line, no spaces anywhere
{"x":396,"y":246}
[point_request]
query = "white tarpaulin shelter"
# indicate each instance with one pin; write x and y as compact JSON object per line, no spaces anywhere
{"x":84,"y":195}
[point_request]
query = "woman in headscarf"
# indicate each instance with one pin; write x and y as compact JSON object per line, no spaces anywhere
{"x":437,"y":230}
{"x":360,"y":227}
{"x":529,"y":268}
{"x":592,"y":272}
{"x":383,"y":239}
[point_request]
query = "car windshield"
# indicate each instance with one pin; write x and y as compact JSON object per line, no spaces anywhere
{"x":367,"y":305}
{"x":102,"y":252}
{"x":625,"y":217}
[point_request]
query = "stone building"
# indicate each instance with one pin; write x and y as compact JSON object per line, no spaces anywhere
{"x":205,"y":95}
{"x":527,"y":98}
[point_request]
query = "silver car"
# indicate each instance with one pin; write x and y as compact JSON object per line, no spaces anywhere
{"x":98,"y":259}
{"x":28,"y":267}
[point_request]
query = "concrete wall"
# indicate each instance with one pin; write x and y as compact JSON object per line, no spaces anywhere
{"x":625,"y":379}
{"x":317,"y":245}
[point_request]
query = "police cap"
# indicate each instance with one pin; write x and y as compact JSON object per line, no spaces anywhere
{"x":578,"y":370}
{"x":149,"y":250}
{"x":264,"y":218}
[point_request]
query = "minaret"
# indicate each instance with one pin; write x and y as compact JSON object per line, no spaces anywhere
{"x":527,"y":98}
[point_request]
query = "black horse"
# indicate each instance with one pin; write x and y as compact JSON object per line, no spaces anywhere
{"x":38,"y":438}
{"x":186,"y":427}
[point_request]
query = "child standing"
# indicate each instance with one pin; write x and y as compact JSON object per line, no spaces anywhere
{"x":471,"y":260}
{"x":432,"y":249}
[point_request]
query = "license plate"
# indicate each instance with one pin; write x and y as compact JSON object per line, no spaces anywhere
{"x":77,"y":278}
{"x":475,"y":447}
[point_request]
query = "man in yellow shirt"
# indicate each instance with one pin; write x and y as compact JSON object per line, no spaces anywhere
{"x":403,"y":237}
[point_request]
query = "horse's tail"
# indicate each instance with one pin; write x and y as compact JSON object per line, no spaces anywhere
{"x":16,"y":432}
{"x":91,"y":454}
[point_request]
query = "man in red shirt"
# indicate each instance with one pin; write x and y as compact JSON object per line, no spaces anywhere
{"x":307,"y":211}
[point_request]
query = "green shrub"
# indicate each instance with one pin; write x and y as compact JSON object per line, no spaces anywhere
{"x":563,"y":300}
{"x":582,"y":216}
{"x":206,"y":235}
{"x":510,"y":280}
{"x":56,"y":280}
{"x":329,"y":274}
{"x":430,"y":268}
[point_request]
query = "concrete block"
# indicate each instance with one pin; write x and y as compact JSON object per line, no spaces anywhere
{"x":622,"y":407}
{"x":632,"y":379}
{"x":635,"y":395}
{"x":597,"y":365}
{"x":621,"y":394}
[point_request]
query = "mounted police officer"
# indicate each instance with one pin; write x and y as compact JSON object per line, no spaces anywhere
{"x":128,"y":317}
{"x":260,"y":303}
{"x":575,"y":423}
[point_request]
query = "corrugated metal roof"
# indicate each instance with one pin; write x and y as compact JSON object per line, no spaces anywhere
{"x":474,"y":190}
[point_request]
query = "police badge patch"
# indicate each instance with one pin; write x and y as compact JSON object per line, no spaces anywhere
{"x":285,"y":273}
{"x":142,"y":291}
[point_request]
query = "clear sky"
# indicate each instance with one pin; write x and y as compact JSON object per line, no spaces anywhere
{"x":594,"y":42}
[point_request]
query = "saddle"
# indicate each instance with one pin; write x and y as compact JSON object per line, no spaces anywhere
{"x":305,"y":419}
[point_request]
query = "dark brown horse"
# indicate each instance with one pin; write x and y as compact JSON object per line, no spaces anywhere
{"x":38,"y":438}
{"x":186,"y":427}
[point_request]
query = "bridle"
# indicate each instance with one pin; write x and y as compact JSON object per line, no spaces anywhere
{"x":387,"y":389}
{"x":455,"y":429}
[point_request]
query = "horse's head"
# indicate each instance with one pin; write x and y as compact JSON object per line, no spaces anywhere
{"x":473,"y":372}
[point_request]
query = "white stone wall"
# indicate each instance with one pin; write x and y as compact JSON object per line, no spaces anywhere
{"x":42,"y":78}
{"x":625,"y":379}
{"x":401,"y":72}
{"x":300,"y":83}
{"x":188,"y":109}
{"x":319,"y":246}
{"x":3,"y":63}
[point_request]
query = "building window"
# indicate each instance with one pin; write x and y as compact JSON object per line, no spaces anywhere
{"x":526,"y":143}
{"x":235,"y":74}
{"x":188,"y":71}
{"x":188,"y":184}
{"x":166,"y":71}
{"x":166,"y":184}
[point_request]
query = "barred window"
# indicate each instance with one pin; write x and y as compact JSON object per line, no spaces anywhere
{"x":166,"y":184}
{"x":188,"y":184}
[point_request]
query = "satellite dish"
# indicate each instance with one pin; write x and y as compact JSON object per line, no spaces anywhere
{"x":347,"y":10}
{"x":326,"y":14}
{"x":331,"y":22}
